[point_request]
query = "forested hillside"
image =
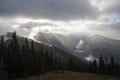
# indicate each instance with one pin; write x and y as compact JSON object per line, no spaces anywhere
{"x":22,"y":57}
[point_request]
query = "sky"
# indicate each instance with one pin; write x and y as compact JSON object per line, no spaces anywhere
{"x":28,"y":17}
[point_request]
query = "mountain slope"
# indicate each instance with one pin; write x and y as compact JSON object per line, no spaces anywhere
{"x":66,"y":43}
{"x":82,"y":46}
{"x":57,"y":53}
{"x":96,"y":45}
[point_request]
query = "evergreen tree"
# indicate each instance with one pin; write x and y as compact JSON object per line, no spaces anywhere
{"x":112,"y":62}
{"x":95,"y":68}
{"x":32,"y":57}
{"x":71,"y":64}
{"x":2,"y":46}
{"x":106,"y":61}
{"x":32,"y":48}
{"x":106,"y":65}
{"x":14,"y":57}
{"x":26,"y":45}
{"x":17,"y":54}
{"x":27,"y":58}
{"x":3,"y":70}
{"x":112,"y":65}
{"x":90,"y":67}
{"x":24,"y":61}
{"x":101,"y":64}
{"x":117,"y":69}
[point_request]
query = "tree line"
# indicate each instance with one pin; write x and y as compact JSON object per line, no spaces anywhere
{"x":26,"y":60}
{"x":105,"y":66}
{"x":17,"y":61}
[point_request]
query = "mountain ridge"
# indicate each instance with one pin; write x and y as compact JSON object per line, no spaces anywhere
{"x":95,"y":41}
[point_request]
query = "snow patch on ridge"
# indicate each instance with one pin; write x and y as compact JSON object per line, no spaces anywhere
{"x":78,"y":47}
{"x":90,"y":58}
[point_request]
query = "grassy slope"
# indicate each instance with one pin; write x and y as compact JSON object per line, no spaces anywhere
{"x":71,"y":76}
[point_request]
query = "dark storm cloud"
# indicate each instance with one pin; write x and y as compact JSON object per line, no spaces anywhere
{"x":49,"y":9}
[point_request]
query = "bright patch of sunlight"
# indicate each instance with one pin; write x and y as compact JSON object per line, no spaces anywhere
{"x":15,"y":26}
{"x":33,"y":32}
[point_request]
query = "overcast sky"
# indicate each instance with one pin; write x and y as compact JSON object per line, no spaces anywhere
{"x":60,"y":16}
